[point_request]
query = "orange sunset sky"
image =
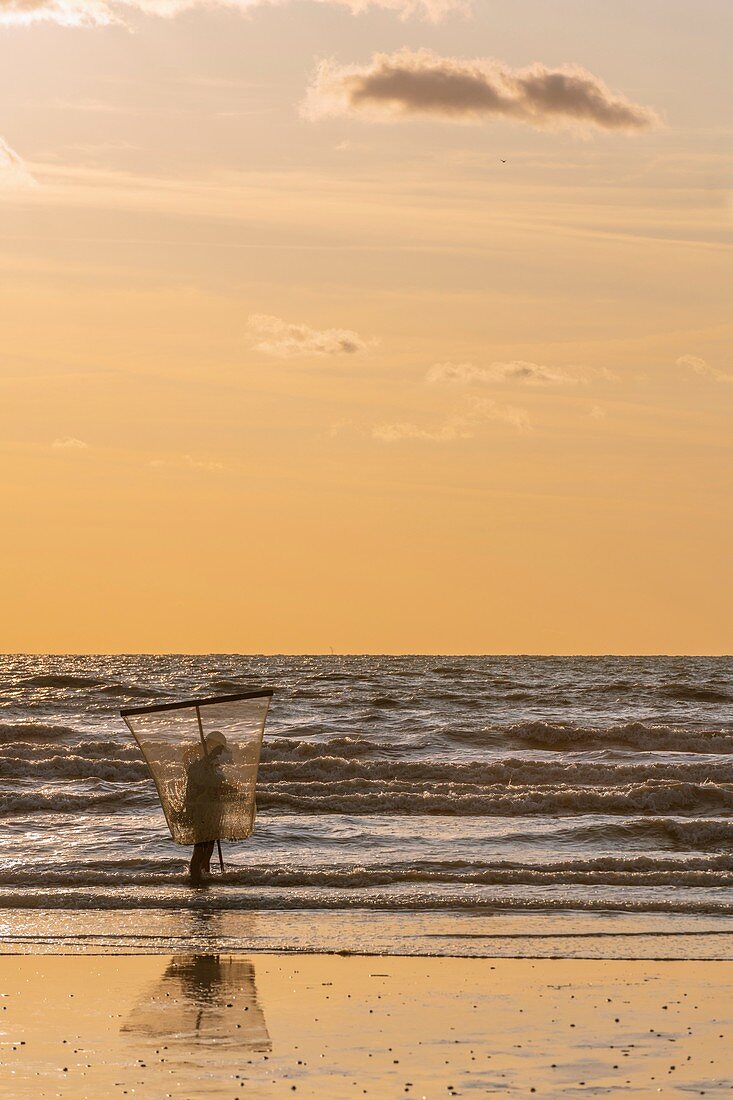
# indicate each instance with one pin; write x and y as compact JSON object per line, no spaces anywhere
{"x":383,"y":327}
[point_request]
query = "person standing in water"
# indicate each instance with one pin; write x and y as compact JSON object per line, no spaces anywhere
{"x":206,"y":789}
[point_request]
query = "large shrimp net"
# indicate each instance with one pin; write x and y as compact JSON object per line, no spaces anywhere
{"x":203,"y":756}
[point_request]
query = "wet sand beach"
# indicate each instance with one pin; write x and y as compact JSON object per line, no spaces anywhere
{"x":327,"y":1026}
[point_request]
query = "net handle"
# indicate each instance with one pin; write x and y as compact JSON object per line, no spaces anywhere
{"x":206,"y":753}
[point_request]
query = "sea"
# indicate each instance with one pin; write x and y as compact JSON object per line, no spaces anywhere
{"x":410,"y":804}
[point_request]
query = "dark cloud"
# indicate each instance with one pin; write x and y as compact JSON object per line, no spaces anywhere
{"x":423,"y":84}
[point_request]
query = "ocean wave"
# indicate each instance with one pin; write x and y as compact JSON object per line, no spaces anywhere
{"x":304,"y":764}
{"x":314,"y":898}
{"x":506,"y":770}
{"x":386,"y":702}
{"x":640,"y":871}
{"x":59,"y":680}
{"x":701,"y":833}
{"x":615,"y":687}
{"x":71,"y":766}
{"x":40,"y":748}
{"x":696,"y":693}
{"x":347,"y":678}
{"x":345,"y":746}
{"x":365,"y":798}
{"x":131,"y":692}
{"x":351,"y":774}
{"x":382,"y":797}
{"x":20,"y":802}
{"x":224,"y":686}
{"x":567,"y":736}
{"x":95,"y":686}
{"x":346,"y":785}
{"x":69,"y":744}
{"x":12,"y":732}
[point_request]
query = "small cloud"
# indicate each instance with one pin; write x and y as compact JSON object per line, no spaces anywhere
{"x":397,"y":432}
{"x":100,"y":13}
{"x":422,"y":84}
{"x":462,"y":425}
{"x":515,"y":371}
{"x":185,"y":462}
{"x":702,"y":367}
{"x":202,"y":464}
{"x":342,"y":427}
{"x":69,"y":443}
{"x":286,"y":339}
{"x":596,"y":412}
{"x":13,"y":170}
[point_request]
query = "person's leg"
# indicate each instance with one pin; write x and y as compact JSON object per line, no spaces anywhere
{"x":199,"y":862}
{"x":208,"y":852}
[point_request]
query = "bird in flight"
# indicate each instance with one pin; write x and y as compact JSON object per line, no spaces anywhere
{"x":503,"y":161}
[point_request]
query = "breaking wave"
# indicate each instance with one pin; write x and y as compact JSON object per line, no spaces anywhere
{"x":511,"y":771}
{"x":12,"y":732}
{"x":106,"y":798}
{"x":379,"y":797}
{"x":715,"y":871}
{"x":567,"y":736}
{"x":394,"y":899}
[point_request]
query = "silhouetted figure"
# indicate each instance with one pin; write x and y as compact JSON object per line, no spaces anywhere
{"x":206,"y":789}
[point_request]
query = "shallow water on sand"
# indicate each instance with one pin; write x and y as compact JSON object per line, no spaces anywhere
{"x":476,"y":784}
{"x":268,"y":1026}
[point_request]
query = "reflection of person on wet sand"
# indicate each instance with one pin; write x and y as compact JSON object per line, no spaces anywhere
{"x":205,"y":997}
{"x":206,"y":789}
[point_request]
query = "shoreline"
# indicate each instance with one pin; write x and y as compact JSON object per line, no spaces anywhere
{"x":360,"y":933}
{"x":192,"y":1025}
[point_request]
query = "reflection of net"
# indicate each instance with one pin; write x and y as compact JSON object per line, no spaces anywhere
{"x":204,"y":757}
{"x":205,"y":998}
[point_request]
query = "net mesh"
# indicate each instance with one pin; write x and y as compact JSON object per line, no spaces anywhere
{"x":203,"y":757}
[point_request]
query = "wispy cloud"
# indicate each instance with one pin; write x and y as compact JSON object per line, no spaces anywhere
{"x":702,"y":367}
{"x":434,"y":10}
{"x":462,"y":425}
{"x":423,"y":84}
{"x":69,"y":443}
{"x":515,"y":371}
{"x":402,"y":430}
{"x":13,"y":170}
{"x":185,"y":462}
{"x":68,"y":13}
{"x":96,"y":13}
{"x":286,"y":339}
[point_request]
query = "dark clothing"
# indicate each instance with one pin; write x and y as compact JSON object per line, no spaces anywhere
{"x":205,"y":790}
